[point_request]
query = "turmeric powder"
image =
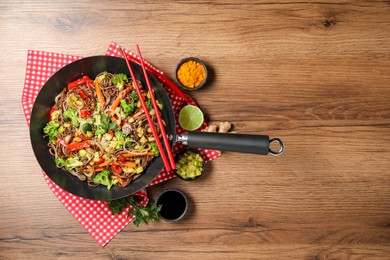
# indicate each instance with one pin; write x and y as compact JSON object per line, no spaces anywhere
{"x":191,"y":74}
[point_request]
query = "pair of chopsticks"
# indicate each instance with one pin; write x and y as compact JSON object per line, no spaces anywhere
{"x":168,"y":165}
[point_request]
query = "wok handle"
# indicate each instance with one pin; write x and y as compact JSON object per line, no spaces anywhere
{"x":243,"y":143}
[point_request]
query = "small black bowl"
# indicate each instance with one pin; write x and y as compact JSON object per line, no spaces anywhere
{"x":174,"y":205}
{"x":197,"y":61}
{"x":177,"y":157}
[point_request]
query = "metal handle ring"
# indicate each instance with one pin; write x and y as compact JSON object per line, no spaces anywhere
{"x":281,"y":146}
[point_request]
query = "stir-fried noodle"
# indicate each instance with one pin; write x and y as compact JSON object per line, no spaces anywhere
{"x":98,"y":130}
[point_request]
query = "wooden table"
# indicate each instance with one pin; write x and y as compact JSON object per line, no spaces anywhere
{"x":316,"y":74}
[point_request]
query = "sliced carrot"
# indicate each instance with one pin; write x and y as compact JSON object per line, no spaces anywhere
{"x":128,"y":164}
{"x":118,"y":99}
{"x":106,"y":163}
{"x":99,"y":94}
{"x":121,"y":181}
{"x":90,"y":169}
{"x":127,"y":155}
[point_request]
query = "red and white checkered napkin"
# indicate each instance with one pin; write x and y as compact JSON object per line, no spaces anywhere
{"x":93,"y":215}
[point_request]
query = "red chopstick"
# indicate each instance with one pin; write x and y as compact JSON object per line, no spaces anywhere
{"x":151,"y":124}
{"x":166,"y":81}
{"x":159,"y":120}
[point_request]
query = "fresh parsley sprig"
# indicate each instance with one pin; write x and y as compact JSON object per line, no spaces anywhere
{"x":143,"y":214}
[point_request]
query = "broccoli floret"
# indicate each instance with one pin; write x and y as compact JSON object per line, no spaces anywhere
{"x":101,"y":129}
{"x":51,"y":129}
{"x":120,"y":135}
{"x":102,"y":123}
{"x":86,"y":124}
{"x":72,"y":162}
{"x":119,"y":80}
{"x":134,"y":95}
{"x":60,"y":162}
{"x":86,"y":127}
{"x":129,"y":109}
{"x":72,"y":115}
{"x":149,"y":104}
{"x":154,"y":148}
{"x":120,"y":138}
{"x":103,"y":178}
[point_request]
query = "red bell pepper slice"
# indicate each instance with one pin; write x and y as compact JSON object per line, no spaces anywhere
{"x":82,"y":94}
{"x":116,"y":168}
{"x":75,"y":146}
{"x":101,"y":160}
{"x":121,"y":158}
{"x":78,"y":82}
{"x":78,"y":146}
{"x":84,"y":113}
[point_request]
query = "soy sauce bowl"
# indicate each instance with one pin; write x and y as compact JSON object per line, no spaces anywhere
{"x":186,"y":170}
{"x":174,"y":205}
{"x":201,"y":84}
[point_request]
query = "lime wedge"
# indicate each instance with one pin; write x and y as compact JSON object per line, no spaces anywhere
{"x":190,"y":117}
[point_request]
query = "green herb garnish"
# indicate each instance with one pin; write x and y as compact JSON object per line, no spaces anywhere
{"x":143,"y":214}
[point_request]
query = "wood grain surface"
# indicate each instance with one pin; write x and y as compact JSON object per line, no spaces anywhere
{"x":313,"y":73}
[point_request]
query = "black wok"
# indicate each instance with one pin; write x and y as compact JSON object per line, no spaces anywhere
{"x":91,"y":66}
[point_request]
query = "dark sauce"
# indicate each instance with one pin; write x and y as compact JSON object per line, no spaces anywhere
{"x":173,"y":205}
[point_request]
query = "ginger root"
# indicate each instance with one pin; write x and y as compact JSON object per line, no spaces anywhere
{"x":223,"y":127}
{"x":211,"y":128}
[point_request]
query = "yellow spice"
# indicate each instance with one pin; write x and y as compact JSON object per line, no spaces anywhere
{"x":191,"y":74}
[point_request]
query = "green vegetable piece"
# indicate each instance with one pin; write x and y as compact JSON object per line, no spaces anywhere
{"x":51,"y":129}
{"x":86,"y":127}
{"x":112,"y":125}
{"x":120,"y":78}
{"x":149,"y":104}
{"x":154,"y":148}
{"x":139,"y":170}
{"x":134,"y":95}
{"x":128,"y":109}
{"x":120,"y":138}
{"x":72,"y":115}
{"x":101,"y":129}
{"x":82,"y":153}
{"x":103,"y":124}
{"x":103,"y":178}
{"x":72,"y":162}
{"x":105,"y":119}
{"x":97,"y":120}
{"x":60,"y":162}
{"x":61,"y":129}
